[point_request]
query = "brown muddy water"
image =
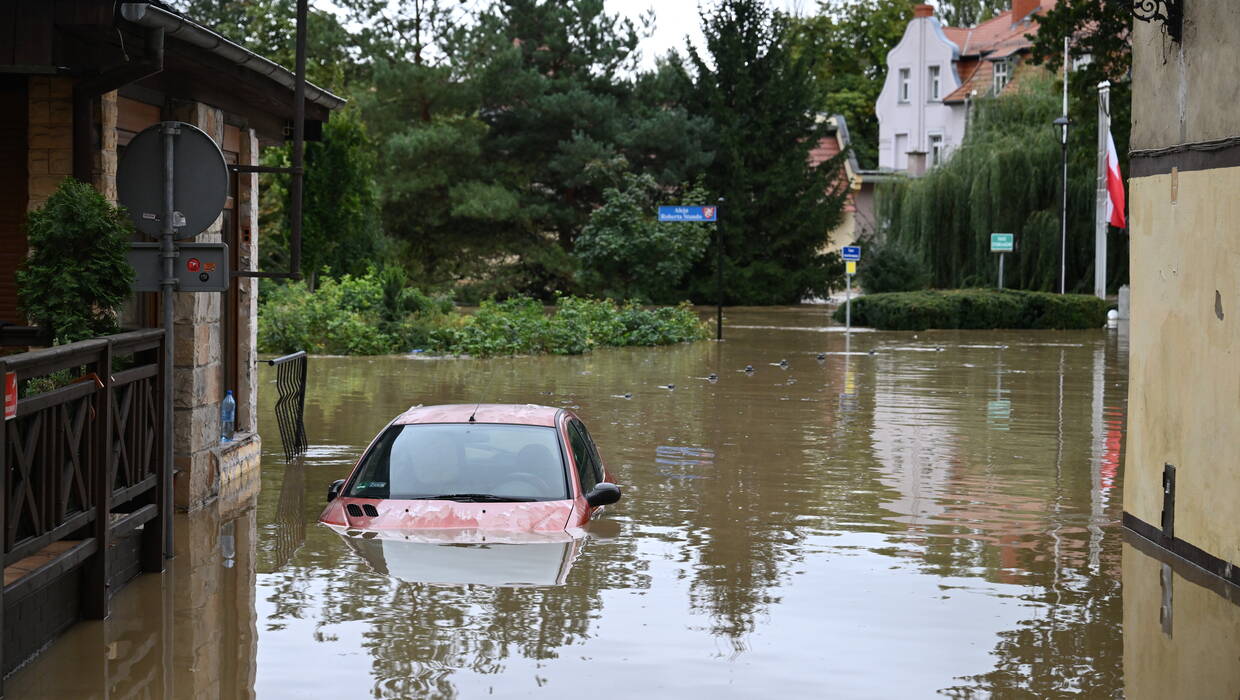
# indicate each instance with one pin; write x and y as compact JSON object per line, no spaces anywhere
{"x":912,"y":515}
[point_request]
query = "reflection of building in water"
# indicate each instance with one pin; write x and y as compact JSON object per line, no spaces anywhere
{"x":1181,"y":628}
{"x":189,"y":633}
{"x":915,"y":446}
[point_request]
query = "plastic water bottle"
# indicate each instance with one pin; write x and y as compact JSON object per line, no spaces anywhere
{"x":228,"y":416}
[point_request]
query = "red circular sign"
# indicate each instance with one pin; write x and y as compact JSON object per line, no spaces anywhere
{"x":192,"y":264}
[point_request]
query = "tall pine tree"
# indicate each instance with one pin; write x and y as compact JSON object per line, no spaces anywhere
{"x":778,"y":208}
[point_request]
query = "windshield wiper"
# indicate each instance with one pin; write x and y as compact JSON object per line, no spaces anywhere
{"x":475,"y":498}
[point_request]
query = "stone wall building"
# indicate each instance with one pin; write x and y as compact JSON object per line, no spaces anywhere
{"x":78,"y":80}
{"x":1182,"y":470}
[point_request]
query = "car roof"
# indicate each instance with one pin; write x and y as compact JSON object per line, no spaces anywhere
{"x":503,"y":413}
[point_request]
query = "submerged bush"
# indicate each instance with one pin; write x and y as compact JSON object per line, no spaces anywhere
{"x":376,"y":314}
{"x":976,"y":308}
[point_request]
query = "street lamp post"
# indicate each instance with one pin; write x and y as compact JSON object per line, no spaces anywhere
{"x":1062,"y":124}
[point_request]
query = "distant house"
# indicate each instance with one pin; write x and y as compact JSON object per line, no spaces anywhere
{"x":934,"y":74}
{"x":859,"y":211}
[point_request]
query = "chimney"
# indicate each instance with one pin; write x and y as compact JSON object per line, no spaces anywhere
{"x":1021,"y":9}
{"x":923,"y":10}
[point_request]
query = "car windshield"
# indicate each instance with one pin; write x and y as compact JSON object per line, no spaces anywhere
{"x":465,"y":462}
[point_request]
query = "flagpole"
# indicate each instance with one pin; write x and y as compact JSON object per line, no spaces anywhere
{"x":1100,"y":205}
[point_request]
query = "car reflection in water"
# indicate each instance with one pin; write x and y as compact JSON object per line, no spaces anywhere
{"x":456,"y":557}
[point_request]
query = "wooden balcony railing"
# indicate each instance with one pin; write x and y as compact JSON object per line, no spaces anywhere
{"x":81,"y":464}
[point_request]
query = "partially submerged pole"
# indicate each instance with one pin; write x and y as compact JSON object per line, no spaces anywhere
{"x":168,"y":285}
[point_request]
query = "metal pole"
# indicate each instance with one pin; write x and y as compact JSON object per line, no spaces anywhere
{"x":167,"y":285}
{"x":847,"y":302}
{"x":1063,"y":207}
{"x":719,"y":270}
{"x":299,"y":143}
{"x":1000,"y":270}
{"x":1100,"y":201}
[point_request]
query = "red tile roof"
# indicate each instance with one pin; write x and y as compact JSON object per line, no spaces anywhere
{"x":995,"y":38}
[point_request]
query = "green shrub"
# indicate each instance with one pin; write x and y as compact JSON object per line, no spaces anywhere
{"x":78,"y":273}
{"x":375,"y":314}
{"x":976,"y":308}
{"x":891,"y":268}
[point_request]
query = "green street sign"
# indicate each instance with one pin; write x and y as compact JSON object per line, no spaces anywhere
{"x":1002,"y":242}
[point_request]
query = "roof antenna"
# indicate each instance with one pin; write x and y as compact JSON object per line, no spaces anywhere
{"x":471,"y":415}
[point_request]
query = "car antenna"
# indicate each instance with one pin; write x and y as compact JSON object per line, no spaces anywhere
{"x":471,"y":415}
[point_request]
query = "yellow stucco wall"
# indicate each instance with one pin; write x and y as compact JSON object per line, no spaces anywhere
{"x":1184,"y":390}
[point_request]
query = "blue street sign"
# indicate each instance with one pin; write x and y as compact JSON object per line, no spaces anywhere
{"x":851,"y":252}
{"x":688,"y":213}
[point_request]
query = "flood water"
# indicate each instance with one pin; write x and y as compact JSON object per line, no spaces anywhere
{"x":915,"y":515}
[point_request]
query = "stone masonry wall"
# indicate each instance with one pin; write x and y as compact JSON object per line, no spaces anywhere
{"x":50,"y":157}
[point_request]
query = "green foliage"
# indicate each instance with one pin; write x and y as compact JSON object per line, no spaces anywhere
{"x":891,"y":268}
{"x":341,"y":229}
{"x":78,"y":274}
{"x":377,"y":313}
{"x":1004,"y":178}
{"x":628,"y":253}
{"x":1100,"y":29}
{"x":848,"y":43}
{"x":520,"y":326}
{"x":968,"y":13}
{"x":976,"y":308}
{"x":779,"y":208}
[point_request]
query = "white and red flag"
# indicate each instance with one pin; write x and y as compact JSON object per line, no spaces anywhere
{"x":1115,"y":187}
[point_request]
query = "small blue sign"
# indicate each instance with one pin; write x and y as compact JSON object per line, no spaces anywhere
{"x":851,"y":252}
{"x":688,"y":213}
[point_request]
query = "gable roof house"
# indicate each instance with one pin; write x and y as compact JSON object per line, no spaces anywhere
{"x":935,"y":72}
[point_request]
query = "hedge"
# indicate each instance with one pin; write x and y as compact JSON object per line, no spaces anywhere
{"x":976,"y":308}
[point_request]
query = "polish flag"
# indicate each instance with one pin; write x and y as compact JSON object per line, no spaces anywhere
{"x":1115,"y":186}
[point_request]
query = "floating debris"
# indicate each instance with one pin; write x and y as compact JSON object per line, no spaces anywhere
{"x":822,"y":356}
{"x":669,"y":387}
{"x":748,"y":369}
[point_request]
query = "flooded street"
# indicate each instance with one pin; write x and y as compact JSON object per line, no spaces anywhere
{"x":912,"y":515}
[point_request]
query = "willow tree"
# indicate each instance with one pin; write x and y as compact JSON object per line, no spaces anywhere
{"x":1003,"y":178}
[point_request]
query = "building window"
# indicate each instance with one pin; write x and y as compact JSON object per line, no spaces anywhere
{"x":934,"y":84}
{"x":1003,"y":74}
{"x":936,"y":150}
{"x":904,"y":72}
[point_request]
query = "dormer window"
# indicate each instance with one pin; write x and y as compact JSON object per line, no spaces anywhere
{"x":904,"y":80}
{"x":1003,"y":74}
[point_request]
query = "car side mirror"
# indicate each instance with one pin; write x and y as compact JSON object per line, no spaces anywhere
{"x":334,"y":490}
{"x":603,"y":494}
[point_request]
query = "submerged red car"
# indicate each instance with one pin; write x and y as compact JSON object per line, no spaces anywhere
{"x":483,"y":467}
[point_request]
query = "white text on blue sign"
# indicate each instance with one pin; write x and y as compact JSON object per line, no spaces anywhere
{"x":674,"y":213}
{"x":851,"y":252}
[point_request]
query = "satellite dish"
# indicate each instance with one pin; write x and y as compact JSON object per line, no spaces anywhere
{"x":200,"y":181}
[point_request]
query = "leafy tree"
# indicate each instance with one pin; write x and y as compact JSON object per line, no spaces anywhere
{"x":341,"y":229}
{"x":849,"y":43}
{"x":76,"y":296}
{"x":889,"y":267}
{"x":629,"y":252}
{"x":968,"y":13}
{"x":1100,"y":29}
{"x":267,"y":28}
{"x":1004,"y":177}
{"x":762,"y":99}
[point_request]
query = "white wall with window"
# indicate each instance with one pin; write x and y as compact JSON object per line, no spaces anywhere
{"x":920,"y":74}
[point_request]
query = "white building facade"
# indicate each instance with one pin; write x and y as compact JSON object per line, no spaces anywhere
{"x":916,"y":128}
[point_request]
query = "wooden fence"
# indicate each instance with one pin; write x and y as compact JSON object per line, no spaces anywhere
{"x":82,"y":472}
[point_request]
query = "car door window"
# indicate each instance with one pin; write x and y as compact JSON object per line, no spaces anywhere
{"x":598,"y":462}
{"x":587,"y":472}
